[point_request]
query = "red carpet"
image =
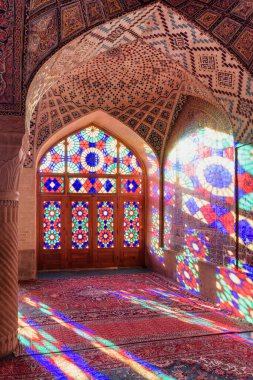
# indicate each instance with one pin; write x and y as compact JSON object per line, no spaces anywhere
{"x":136,"y":326}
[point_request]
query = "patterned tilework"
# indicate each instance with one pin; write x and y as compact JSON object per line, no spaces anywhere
{"x":72,"y":20}
{"x":42,"y":38}
{"x":144,"y":101}
{"x":196,"y":52}
{"x":243,"y":10}
{"x":11,"y":24}
{"x":36,"y":5}
{"x":224,"y":77}
{"x":66,"y":20}
{"x":208,"y":18}
{"x":209,"y":14}
{"x":243,"y":45}
{"x":226,"y":30}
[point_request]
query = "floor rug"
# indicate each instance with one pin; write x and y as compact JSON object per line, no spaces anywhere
{"x":126,"y":326}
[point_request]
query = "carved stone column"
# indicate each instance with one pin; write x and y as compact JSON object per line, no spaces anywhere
{"x":11,"y":162}
{"x":8,"y":275}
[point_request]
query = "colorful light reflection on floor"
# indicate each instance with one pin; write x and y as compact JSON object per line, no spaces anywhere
{"x":61,"y":362}
{"x":185,"y":316}
{"x":69,"y":365}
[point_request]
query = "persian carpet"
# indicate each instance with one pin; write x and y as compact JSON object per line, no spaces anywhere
{"x":126,"y":326}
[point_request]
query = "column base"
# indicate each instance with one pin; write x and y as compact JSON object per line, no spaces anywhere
{"x":8,"y":344}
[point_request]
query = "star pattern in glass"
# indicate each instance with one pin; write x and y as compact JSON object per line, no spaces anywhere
{"x":51,"y":225}
{"x":54,"y":160}
{"x":80,"y":225}
{"x":131,"y":224}
{"x":105,"y":224}
{"x":91,"y":151}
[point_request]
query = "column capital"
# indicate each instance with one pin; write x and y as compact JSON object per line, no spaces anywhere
{"x":13,"y":147}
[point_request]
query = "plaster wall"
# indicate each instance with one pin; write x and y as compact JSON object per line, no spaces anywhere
{"x":27,"y":225}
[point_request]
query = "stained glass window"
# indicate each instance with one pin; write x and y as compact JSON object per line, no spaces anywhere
{"x":92,"y":151}
{"x":131,"y":186}
{"x":51,"y":225}
{"x":54,"y":160}
{"x":105,"y":224}
{"x":131,"y":224}
{"x":89,"y":162}
{"x":128,"y":163}
{"x":80,"y":225}
{"x":52,"y":184}
{"x":92,"y":185}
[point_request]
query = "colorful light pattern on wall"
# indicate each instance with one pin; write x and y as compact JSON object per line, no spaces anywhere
{"x":80,"y":225}
{"x":131,"y":186}
{"x":52,"y":184}
{"x":220,"y":218}
{"x":91,"y":151}
{"x":54,"y":160}
{"x":199,"y":192}
{"x":243,"y":267}
{"x":196,"y":244}
{"x":154,"y":247}
{"x":245,"y":177}
{"x":131,"y":224}
{"x":153,"y":224}
{"x":128,"y":163}
{"x":235,"y":292}
{"x":92,"y":185}
{"x":188,"y":273}
{"x":52,"y":225}
{"x":105,"y":224}
{"x":245,"y":199}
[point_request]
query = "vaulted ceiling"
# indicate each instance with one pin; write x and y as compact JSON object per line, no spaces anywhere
{"x":32,"y":30}
{"x":135,"y":61}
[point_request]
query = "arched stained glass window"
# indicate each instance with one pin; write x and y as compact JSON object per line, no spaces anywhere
{"x":54,"y":160}
{"x":90,"y":151}
{"x":91,"y":189}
